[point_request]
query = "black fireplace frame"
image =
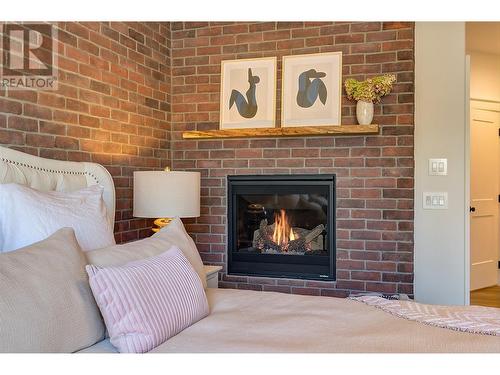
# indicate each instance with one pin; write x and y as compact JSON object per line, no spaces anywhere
{"x":275,"y":265}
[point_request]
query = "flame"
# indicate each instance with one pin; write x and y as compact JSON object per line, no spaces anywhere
{"x":283,"y":232}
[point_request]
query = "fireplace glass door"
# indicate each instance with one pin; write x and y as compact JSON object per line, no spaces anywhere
{"x":282,"y":226}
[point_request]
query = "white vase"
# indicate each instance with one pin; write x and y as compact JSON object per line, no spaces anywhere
{"x":364,"y":112}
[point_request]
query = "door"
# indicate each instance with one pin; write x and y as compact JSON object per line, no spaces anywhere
{"x":484,"y":196}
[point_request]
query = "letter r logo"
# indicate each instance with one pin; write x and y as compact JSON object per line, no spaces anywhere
{"x":27,"y":49}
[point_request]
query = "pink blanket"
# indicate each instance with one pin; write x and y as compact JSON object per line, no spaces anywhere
{"x":473,"y":319}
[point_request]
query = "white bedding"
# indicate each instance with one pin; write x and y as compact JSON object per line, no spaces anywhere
{"x":29,"y":215}
{"x":268,"y":322}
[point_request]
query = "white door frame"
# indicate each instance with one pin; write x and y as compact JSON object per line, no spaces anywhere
{"x":467,"y":182}
{"x":489,"y":105}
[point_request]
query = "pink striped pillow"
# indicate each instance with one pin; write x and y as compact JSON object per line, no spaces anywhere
{"x":146,"y":302}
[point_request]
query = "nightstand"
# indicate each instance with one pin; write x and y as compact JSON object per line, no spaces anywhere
{"x":212,"y":274}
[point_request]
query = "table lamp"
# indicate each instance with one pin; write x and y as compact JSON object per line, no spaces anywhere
{"x":166,"y":194}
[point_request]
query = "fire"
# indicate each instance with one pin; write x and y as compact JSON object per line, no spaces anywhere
{"x":283,"y":232}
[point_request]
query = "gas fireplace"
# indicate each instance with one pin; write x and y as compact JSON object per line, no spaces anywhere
{"x":282,"y":226}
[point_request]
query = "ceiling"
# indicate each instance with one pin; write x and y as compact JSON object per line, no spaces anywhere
{"x":483,"y":37}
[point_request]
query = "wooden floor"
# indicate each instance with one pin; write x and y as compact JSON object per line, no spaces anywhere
{"x":486,"y":297}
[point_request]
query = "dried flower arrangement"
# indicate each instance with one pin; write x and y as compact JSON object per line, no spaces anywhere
{"x":370,"y":90}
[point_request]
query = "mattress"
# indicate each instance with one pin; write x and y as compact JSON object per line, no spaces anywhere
{"x":243,"y":321}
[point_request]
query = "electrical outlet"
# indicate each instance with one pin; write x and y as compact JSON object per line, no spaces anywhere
{"x":435,"y":200}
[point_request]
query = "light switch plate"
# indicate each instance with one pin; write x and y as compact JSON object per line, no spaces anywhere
{"x":435,"y":200}
{"x":438,"y":167}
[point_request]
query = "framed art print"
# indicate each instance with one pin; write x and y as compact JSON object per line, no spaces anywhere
{"x":311,"y":92}
{"x":248,"y":93}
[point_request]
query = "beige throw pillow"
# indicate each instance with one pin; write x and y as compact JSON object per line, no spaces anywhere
{"x":46,"y":304}
{"x":173,"y":234}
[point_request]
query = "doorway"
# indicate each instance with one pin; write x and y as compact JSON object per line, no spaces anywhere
{"x":483,"y":47}
{"x":484,"y":193}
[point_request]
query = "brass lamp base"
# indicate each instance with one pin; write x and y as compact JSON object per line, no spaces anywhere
{"x":160,"y":223}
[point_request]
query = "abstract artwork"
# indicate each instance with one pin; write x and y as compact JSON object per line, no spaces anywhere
{"x":311,"y":90}
{"x":248,"y":93}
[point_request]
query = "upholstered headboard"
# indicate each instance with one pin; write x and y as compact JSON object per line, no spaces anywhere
{"x":47,"y":175}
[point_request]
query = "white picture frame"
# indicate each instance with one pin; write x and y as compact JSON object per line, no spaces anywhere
{"x":248,"y":93}
{"x":311,"y":91}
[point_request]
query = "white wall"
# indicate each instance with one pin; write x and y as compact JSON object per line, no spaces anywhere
{"x":485,"y":76}
{"x":441,"y":263}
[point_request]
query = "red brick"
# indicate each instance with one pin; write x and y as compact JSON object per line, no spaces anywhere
{"x":366,"y":48}
{"x":277,"y":35}
{"x":222,"y":40}
{"x":302,"y":33}
{"x":51,"y":100}
{"x":12,"y":137}
{"x":319,"y":163}
{"x":365,"y":26}
{"x":249,"y":38}
{"x":22,"y":123}
{"x":276,"y":154}
{"x":264,"y":46}
{"x":381,"y":57}
{"x":289,"y":25}
{"x":200,"y":51}
{"x":334,"y":29}
{"x":380,"y":36}
{"x":197,"y":42}
{"x":319,"y":41}
{"x":349,"y":38}
{"x":52,"y":128}
{"x":248,"y":153}
{"x":235,"y":29}
{"x":28,"y":95}
{"x":397,"y":45}
{"x":290,"y":44}
{"x":306,"y":152}
{"x":67,"y":143}
{"x":290,"y":163}
{"x":32,"y":110}
{"x":262,"y":26}
{"x":365,"y":275}
{"x":40,"y":140}
{"x":263,"y":143}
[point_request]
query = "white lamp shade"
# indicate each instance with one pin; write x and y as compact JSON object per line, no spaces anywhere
{"x":166,"y":194}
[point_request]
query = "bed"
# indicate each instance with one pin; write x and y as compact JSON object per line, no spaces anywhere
{"x":250,"y":321}
{"x":245,"y":321}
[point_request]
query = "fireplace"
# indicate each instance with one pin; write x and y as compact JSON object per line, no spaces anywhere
{"x":282,"y":226}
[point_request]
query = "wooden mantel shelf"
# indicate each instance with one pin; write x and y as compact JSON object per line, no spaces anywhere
{"x":303,"y":131}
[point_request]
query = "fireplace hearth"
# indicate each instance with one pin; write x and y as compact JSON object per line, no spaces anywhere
{"x":282,"y":226}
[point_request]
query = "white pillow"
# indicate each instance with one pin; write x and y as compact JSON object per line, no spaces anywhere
{"x":28,"y":216}
{"x":172,"y":235}
{"x":175,"y":233}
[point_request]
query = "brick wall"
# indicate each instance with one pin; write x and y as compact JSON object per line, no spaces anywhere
{"x":124,"y":85}
{"x":112,"y":106}
{"x":375,"y":173}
